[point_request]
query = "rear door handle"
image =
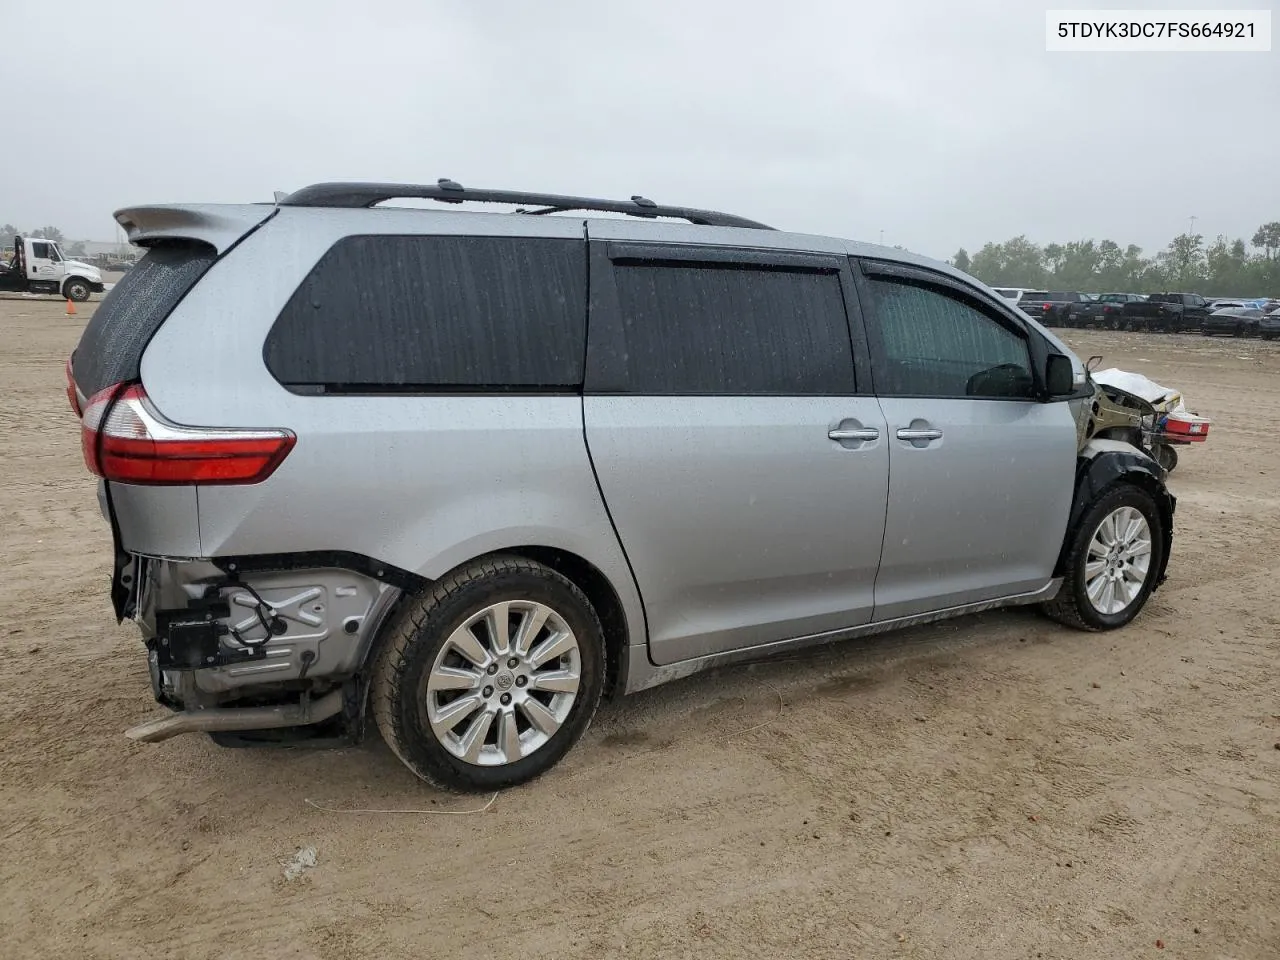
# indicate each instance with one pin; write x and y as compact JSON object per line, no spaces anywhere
{"x":910,"y":434}
{"x":866,"y":434}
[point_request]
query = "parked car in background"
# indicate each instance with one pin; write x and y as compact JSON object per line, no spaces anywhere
{"x":1012,"y":294}
{"x":1050,"y":307}
{"x":1269,"y":325}
{"x":621,"y":451}
{"x":1237,"y":321}
{"x":1166,"y":312}
{"x":1106,"y":311}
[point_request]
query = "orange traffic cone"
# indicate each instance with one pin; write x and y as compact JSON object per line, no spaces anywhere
{"x":71,"y":308}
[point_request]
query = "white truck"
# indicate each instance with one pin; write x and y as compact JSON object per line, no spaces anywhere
{"x":38,"y":266}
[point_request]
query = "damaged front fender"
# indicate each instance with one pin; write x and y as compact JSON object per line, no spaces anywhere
{"x":1103,"y":463}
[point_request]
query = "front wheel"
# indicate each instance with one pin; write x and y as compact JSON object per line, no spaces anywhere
{"x":1115,"y":555}
{"x":489,"y":678}
{"x":77,"y":290}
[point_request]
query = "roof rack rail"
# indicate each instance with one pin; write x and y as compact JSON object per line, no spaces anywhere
{"x":449,"y":191}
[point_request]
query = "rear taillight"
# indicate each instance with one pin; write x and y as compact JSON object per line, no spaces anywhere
{"x":135,"y":444}
{"x":71,"y":390}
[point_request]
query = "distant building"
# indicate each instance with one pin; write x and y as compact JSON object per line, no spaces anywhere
{"x":102,"y":248}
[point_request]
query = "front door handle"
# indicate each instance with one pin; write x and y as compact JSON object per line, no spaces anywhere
{"x":907,"y":433}
{"x":865,"y":434}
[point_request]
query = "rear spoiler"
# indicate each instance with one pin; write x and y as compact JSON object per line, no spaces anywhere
{"x":220,"y":225}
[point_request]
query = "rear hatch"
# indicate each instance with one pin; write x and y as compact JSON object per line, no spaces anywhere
{"x":182,"y":244}
{"x":111,"y":347}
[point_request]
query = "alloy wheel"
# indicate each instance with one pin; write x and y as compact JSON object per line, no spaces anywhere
{"x":503,"y":683}
{"x":1118,"y":560}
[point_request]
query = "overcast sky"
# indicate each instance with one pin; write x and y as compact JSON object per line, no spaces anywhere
{"x":942,"y":123}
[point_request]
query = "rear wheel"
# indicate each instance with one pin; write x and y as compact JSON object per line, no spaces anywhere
{"x":490,"y":677}
{"x":1115,"y":554}
{"x":76,"y":289}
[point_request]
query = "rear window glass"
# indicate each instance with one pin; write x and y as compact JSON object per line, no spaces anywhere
{"x":717,"y":329}
{"x":1035,"y":295}
{"x":110,"y":349}
{"x":427,"y":313}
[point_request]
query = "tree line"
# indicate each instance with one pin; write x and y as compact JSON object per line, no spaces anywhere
{"x":1222,"y":268}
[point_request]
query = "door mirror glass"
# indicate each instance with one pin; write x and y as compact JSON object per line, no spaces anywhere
{"x":1059,"y":377}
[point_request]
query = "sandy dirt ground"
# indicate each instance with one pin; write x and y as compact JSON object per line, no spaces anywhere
{"x":991,"y":787}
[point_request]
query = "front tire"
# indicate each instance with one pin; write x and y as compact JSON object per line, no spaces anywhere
{"x":488,"y":678}
{"x":76,"y":290}
{"x":1115,"y":555}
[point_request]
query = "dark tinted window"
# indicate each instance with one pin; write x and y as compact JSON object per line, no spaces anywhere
{"x":1059,"y":296}
{"x":110,"y":350}
{"x":382,"y":313}
{"x":698,"y":329}
{"x":39,"y":251}
{"x":1035,"y":295}
{"x":937,"y":345}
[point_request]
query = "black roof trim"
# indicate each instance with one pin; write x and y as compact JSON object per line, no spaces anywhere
{"x":448,"y":191}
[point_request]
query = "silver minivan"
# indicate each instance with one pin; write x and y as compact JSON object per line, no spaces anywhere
{"x":466,"y":472}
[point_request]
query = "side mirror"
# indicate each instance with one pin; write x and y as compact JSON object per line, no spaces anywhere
{"x":1059,"y":378}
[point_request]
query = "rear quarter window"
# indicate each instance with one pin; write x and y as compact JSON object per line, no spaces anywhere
{"x":432,"y":313}
{"x":111,"y":347}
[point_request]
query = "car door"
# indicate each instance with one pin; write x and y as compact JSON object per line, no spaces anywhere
{"x":1197,"y":310}
{"x":740,"y":453}
{"x":981,"y":473}
{"x":40,"y":265}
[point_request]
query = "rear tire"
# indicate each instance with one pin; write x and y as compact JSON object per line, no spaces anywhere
{"x":1106,"y":584}
{"x":446,"y":696}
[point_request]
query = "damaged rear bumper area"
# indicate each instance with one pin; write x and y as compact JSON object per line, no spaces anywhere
{"x":248,"y":645}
